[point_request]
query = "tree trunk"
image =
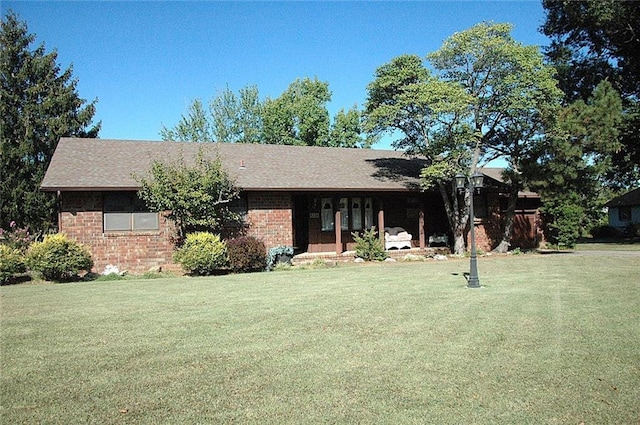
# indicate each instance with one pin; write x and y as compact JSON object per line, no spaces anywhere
{"x":457,"y":219}
{"x":505,"y":243}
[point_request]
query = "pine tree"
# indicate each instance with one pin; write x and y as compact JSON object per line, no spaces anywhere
{"x":39,"y":104}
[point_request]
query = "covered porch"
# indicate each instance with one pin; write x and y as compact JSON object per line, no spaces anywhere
{"x":324,"y":222}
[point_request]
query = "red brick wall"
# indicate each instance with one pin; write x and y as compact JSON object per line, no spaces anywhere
{"x":270,"y":217}
{"x":526,"y":231}
{"x":81,"y":220}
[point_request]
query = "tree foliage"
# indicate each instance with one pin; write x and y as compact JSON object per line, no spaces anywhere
{"x":39,"y":104}
{"x":347,"y":131}
{"x":196,"y":197}
{"x":299,"y":116}
{"x":568,"y":165}
{"x":237,"y":118}
{"x":195,"y":126}
{"x":593,"y":41}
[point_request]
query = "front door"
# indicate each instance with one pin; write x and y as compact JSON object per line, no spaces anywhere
{"x":301,"y":223}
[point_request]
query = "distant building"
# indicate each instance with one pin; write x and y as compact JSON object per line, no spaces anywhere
{"x":624,"y":209}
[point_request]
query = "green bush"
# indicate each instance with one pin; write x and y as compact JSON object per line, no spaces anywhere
{"x":11,"y":263}
{"x":202,"y":254}
{"x":605,"y":232}
{"x":564,"y":220}
{"x":58,"y":258}
{"x":279,"y":255}
{"x":369,"y":247}
{"x":246,"y":254}
{"x":632,"y":230}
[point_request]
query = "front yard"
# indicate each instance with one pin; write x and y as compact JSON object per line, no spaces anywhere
{"x":549,"y":339}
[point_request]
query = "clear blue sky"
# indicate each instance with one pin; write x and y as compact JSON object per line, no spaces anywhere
{"x":146,"y":61}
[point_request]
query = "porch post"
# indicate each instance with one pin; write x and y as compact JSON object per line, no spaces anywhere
{"x":421,"y":229}
{"x":381,"y":225}
{"x":338,"y":222}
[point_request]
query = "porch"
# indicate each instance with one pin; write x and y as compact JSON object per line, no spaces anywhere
{"x":324,"y":224}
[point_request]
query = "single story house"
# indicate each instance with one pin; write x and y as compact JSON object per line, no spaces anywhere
{"x":311,"y":198}
{"x":624,"y":210}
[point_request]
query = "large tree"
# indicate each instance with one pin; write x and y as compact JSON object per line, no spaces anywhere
{"x":514,"y":95}
{"x":405,"y":101}
{"x":490,"y":97}
{"x":596,"y":40}
{"x":39,"y":103}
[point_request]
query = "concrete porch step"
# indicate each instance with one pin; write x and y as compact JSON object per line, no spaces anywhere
{"x":349,"y":256}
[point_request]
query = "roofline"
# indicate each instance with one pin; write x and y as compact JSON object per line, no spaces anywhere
{"x":250,"y":189}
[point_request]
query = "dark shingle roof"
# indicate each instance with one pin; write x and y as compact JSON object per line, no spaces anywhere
{"x":100,"y":164}
{"x":629,"y":199}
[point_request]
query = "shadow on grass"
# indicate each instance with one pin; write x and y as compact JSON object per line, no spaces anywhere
{"x":555,"y":251}
{"x":609,"y":241}
{"x":15,"y":280}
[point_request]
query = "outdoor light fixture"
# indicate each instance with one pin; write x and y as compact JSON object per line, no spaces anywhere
{"x":475,"y":182}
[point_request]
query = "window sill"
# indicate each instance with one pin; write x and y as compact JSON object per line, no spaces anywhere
{"x":121,"y":233}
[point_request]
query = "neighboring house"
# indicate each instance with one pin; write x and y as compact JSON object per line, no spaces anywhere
{"x":311,"y":198}
{"x":624,"y":209}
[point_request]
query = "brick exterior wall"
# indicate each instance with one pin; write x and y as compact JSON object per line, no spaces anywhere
{"x":526,"y":232}
{"x":270,"y":217}
{"x":81,"y":219}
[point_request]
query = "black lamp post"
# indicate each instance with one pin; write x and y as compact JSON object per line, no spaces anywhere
{"x":475,"y":182}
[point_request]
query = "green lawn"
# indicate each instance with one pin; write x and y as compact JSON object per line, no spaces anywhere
{"x":549,"y":339}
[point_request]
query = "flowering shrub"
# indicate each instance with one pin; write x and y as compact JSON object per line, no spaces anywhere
{"x":11,"y":263}
{"x":246,"y":254}
{"x":203,"y":253}
{"x":16,"y":237}
{"x":58,"y":258}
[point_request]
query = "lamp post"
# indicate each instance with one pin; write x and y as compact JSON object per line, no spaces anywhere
{"x":475,"y":182}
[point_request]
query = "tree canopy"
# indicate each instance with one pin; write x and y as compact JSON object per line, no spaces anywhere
{"x":299,"y":116}
{"x":39,"y":103}
{"x":196,"y":197}
{"x":593,"y":41}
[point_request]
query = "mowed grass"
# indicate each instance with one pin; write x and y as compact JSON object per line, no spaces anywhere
{"x":549,"y":339}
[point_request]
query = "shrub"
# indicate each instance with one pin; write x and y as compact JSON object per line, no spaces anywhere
{"x":369,"y":247}
{"x":11,"y":263}
{"x":58,"y":258}
{"x":632,"y":230}
{"x":203,"y":253}
{"x":605,"y":232}
{"x":246,"y":254}
{"x":279,"y":254}
{"x":564,"y":220}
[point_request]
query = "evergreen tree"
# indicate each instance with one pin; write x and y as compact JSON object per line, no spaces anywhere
{"x":39,"y":104}
{"x":594,"y":41}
